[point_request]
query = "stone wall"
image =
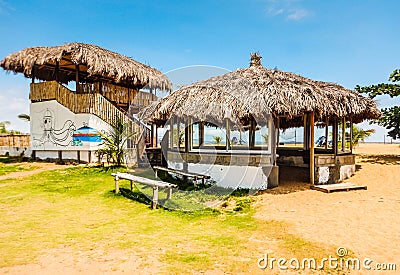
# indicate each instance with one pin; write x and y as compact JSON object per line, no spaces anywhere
{"x":329,"y":169}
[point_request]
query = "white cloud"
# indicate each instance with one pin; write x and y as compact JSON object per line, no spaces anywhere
{"x":14,"y":101}
{"x":297,"y":14}
{"x":5,"y":7}
{"x":290,"y":9}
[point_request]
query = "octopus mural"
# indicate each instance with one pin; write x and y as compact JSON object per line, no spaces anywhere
{"x":51,"y":135}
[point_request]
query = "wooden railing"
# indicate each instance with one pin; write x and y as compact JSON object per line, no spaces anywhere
{"x":118,"y":94}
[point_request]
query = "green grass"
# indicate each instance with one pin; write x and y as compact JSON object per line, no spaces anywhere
{"x":10,"y":168}
{"x":77,"y":208}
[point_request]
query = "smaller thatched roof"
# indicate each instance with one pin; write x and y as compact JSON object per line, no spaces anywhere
{"x":95,"y":63}
{"x":257,"y":92}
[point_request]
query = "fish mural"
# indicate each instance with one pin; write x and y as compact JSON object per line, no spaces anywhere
{"x":86,"y":134}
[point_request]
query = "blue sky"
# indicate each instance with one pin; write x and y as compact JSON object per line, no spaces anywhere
{"x":347,"y":42}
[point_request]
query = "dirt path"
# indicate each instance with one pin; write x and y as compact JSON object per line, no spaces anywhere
{"x":39,"y":167}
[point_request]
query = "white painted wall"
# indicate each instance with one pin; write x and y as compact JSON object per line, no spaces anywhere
{"x":231,"y":176}
{"x":53,"y":127}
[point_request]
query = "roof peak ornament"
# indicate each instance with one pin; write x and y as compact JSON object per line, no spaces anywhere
{"x":255,"y":60}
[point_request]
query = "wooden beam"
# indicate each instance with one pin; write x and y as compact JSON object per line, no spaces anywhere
{"x":312,"y":162}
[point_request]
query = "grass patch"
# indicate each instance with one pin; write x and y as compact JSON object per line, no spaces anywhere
{"x":76,"y":208}
{"x":10,"y":168}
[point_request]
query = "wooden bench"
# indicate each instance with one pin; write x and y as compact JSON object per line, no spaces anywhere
{"x":156,"y":184}
{"x":195,"y":176}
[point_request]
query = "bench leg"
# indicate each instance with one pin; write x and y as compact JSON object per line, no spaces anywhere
{"x":156,"y":173}
{"x":195,"y":181}
{"x":169,"y":193}
{"x":155,"y":197}
{"x":202,"y":181}
{"x":131,"y":185}
{"x":116,"y":185}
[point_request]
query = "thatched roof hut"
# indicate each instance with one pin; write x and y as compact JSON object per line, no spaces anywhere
{"x":92,"y":62}
{"x":257,"y":92}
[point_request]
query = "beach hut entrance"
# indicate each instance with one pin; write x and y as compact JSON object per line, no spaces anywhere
{"x":328,"y":144}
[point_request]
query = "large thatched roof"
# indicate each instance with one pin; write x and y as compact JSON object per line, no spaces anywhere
{"x":95,"y":64}
{"x":257,"y":92}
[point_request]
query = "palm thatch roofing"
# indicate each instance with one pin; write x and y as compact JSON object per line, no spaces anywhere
{"x":93,"y":63}
{"x":257,"y":93}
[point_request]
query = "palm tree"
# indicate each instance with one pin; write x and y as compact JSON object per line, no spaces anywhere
{"x":3,"y":129}
{"x":360,"y":134}
{"x":115,"y":141}
{"x":217,"y":140}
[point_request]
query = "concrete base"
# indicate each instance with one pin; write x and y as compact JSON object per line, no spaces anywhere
{"x":273,"y":178}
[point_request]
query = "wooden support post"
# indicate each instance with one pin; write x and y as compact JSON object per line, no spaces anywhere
{"x":171,"y":132}
{"x":201,"y":133}
{"x":202,"y":181}
{"x":156,"y":135}
{"x":116,"y":184}
{"x":187,"y":135}
{"x":178,"y":122}
{"x":190,"y":138}
{"x":77,"y":78}
{"x":60,"y":155}
{"x":56,"y":71}
{"x":33,"y":74}
{"x":151,"y":135}
{"x":78,"y":156}
{"x":335,"y":137}
{"x":156,"y":172}
{"x":351,"y":135}
{"x":155,"y":197}
{"x":169,"y":193}
{"x":343,"y":135}
{"x":252,"y":134}
{"x":195,"y":181}
{"x":312,"y":161}
{"x":306,"y":144}
{"x":271,"y":143}
{"x":277,"y":131}
{"x":326,"y":133}
{"x":228,"y":134}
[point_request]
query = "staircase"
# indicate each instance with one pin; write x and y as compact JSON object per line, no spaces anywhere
{"x":91,"y":102}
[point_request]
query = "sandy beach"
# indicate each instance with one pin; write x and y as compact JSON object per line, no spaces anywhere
{"x":365,"y":222}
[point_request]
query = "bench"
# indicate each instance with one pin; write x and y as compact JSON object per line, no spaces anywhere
{"x":156,"y":184}
{"x":195,"y":176}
